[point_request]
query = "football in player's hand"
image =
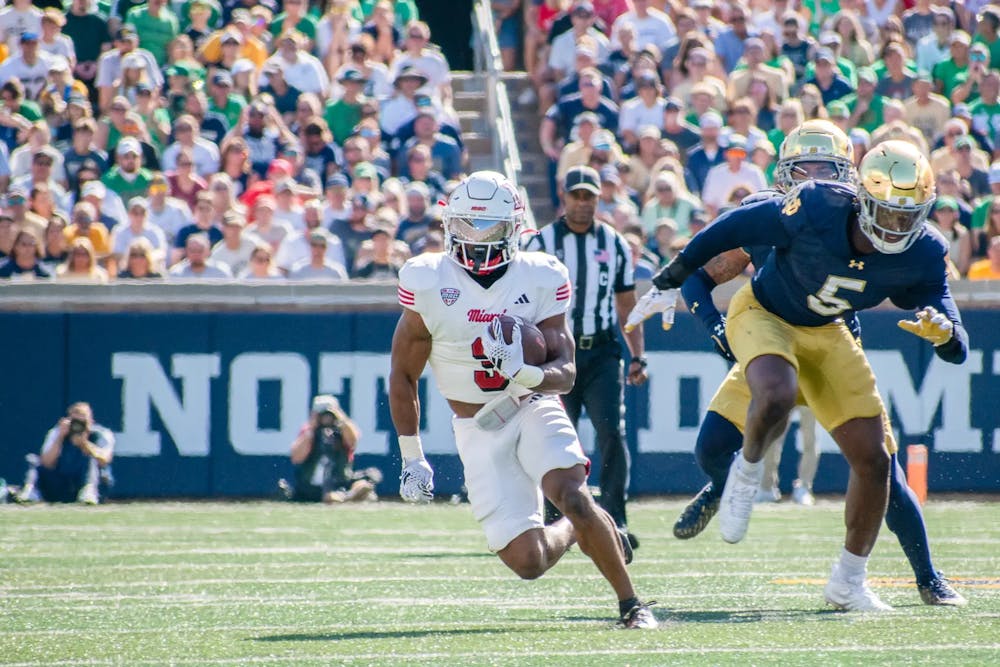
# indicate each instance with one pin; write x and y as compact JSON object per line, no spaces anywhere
{"x":532,"y":340}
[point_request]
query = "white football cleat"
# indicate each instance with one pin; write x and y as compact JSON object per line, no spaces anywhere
{"x":772,"y":495}
{"x":801,"y":494}
{"x":88,"y":495}
{"x":737,"y":501}
{"x":851,"y":594}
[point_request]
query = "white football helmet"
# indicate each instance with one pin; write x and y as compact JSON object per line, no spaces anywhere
{"x":482,"y":222}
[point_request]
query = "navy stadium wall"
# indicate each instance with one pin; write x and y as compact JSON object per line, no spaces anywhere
{"x":206,"y":404}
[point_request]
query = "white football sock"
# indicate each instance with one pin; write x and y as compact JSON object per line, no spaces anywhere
{"x":752,"y":470}
{"x":852,"y":566}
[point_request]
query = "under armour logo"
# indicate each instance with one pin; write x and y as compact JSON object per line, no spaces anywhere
{"x":856,"y":264}
{"x":522,"y":299}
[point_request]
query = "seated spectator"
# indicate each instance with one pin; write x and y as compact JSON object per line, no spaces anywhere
{"x":418,"y":52}
{"x":945,"y":220}
{"x":977,"y":178}
{"x":40,"y":210}
{"x":295,"y":247}
{"x":379,"y":84}
{"x":41,"y":173}
{"x":275,"y":85}
{"x":268,"y":228}
{"x":237,"y":244}
{"x":344,"y":113}
{"x":86,"y":225}
{"x":81,"y":263}
{"x":29,"y":64}
{"x":675,"y":128}
{"x":420,"y":168}
{"x":669,"y":199}
{"x":446,"y":154}
{"x":989,"y":268}
{"x":55,"y":248}
{"x":197,"y":264}
{"x":109,"y":65}
{"x":295,"y":17}
{"x":321,"y":154}
{"x":612,"y":194}
{"x":647,"y":109}
{"x":707,"y":153}
{"x":261,"y":266}
{"x":401,"y":108}
{"x":138,"y":227}
{"x":337,"y":205}
{"x":950,"y":183}
{"x":265,"y":134}
{"x":743,"y":121}
{"x":693,"y":75}
{"x":185,"y":184}
{"x":753,"y":66}
{"x":204,"y":153}
{"x":323,"y":453}
{"x":357,"y":228}
{"x":128,"y":178}
{"x":170,"y":214}
{"x":18,"y":112}
{"x":946,"y":157}
{"x":301,"y":71}
{"x":318,"y":265}
{"x":235,"y":159}
{"x":239,"y":36}
{"x":735,"y":172}
{"x":21,"y":158}
{"x":24,"y":262}
{"x":82,"y":148}
{"x":831,"y":83}
{"x":368,"y":139}
{"x":141,"y":262}
{"x":989,"y":229}
{"x":75,"y":460}
{"x":577,"y":151}
{"x":379,"y":258}
{"x":418,"y":219}
{"x":764,"y":156}
{"x":203,"y":223}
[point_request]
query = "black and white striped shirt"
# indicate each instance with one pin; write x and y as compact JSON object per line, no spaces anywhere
{"x":607,"y":269}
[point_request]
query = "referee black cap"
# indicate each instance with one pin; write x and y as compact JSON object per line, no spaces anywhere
{"x":583,"y":178}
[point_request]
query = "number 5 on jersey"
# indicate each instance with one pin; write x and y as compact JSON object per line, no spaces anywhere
{"x":488,"y":379}
{"x":827,"y":303}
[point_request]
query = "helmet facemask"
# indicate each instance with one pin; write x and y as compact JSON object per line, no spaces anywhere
{"x":790,"y":172}
{"x":481,"y":245}
{"x":891,"y":227}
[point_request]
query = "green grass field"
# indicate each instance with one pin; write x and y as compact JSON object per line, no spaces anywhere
{"x":267,"y":583}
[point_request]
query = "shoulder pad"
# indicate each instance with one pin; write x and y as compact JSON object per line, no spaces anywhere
{"x":548,"y":270}
{"x":763,"y":195}
{"x":421,"y":272}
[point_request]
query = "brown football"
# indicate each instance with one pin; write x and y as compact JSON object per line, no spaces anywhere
{"x":532,"y":340}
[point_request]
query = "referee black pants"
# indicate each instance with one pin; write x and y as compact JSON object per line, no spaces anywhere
{"x":600,"y":388}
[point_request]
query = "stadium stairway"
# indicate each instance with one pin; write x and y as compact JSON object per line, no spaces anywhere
{"x":469,"y":104}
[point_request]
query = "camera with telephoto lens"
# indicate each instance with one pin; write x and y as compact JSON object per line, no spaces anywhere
{"x":77,"y":426}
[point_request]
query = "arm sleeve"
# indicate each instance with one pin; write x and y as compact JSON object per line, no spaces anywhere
{"x":937,"y":294}
{"x":760,"y":224}
{"x":697,"y":293}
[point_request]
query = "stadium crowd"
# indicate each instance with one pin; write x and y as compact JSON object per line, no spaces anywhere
{"x":682,"y":107}
{"x":225,"y":139}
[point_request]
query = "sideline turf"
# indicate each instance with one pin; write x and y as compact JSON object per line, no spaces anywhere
{"x":268,"y":583}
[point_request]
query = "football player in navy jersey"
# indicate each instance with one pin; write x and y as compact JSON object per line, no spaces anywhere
{"x":836,"y":249}
{"x":820,"y":150}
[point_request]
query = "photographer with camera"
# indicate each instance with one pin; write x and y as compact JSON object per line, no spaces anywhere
{"x":75,"y":457}
{"x":323,"y":454}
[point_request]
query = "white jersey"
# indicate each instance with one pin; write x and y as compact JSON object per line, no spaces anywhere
{"x":455,"y":309}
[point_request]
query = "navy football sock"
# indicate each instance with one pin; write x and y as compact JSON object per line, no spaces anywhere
{"x":905,"y":519}
{"x":718,"y":441}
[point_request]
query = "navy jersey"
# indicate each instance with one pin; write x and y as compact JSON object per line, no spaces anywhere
{"x":813,"y":276}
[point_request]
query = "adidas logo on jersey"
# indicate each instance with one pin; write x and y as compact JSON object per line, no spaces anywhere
{"x":522,"y":299}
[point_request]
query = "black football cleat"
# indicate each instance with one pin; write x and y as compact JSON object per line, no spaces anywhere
{"x":639,"y":617}
{"x":698,"y":513}
{"x":940,"y":593}
{"x":632,"y":540}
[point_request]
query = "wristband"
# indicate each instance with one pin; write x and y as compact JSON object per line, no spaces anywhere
{"x":409,"y":447}
{"x":641,"y":360}
{"x":529,"y":376}
{"x":672,"y":275}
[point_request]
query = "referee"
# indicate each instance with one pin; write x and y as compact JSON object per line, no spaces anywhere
{"x":600,"y":268}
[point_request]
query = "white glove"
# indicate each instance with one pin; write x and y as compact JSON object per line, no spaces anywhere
{"x":508,"y":359}
{"x":930,"y":325}
{"x":652,"y":302}
{"x":416,"y":482}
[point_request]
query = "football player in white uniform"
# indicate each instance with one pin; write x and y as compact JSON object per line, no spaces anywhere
{"x":513,"y":435}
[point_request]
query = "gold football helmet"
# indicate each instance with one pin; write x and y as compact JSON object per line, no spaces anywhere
{"x":817,"y":149}
{"x":896,"y":195}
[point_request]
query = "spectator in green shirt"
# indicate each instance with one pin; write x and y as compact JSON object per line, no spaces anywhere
{"x":128,"y":178}
{"x":864,"y":104}
{"x":966,"y":88}
{"x":986,"y":110}
{"x":156,"y":25}
{"x":987,"y":31}
{"x":295,"y":18}
{"x":342,"y":115}
{"x":948,"y":72}
{"x":405,"y":11}
{"x":223,"y":100}
{"x":982,"y":210}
